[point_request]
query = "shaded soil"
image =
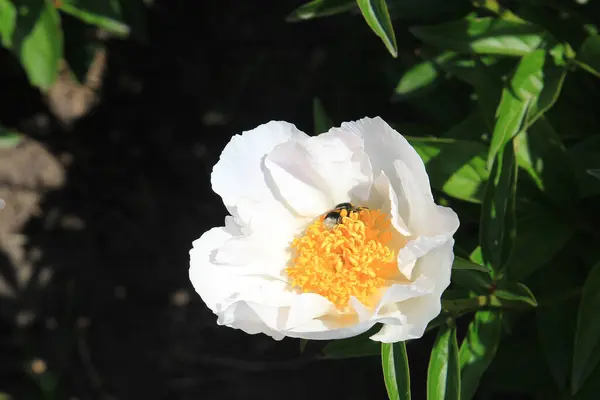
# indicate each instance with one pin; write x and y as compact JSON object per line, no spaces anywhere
{"x":101,"y":212}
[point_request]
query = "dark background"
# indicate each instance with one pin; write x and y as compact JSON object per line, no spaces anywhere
{"x":107,"y":307}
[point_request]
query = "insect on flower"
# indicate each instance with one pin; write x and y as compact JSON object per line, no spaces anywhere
{"x":336,"y":216}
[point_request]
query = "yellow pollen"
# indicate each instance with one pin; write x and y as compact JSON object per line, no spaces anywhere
{"x":350,"y":259}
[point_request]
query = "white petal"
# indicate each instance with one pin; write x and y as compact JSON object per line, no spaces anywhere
{"x":419,"y":311}
{"x":208,"y":279}
{"x":313,"y":175}
{"x":239,"y":178}
{"x":384,"y":146}
{"x":430,"y":225}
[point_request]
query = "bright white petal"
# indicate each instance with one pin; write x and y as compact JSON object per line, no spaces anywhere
{"x":384,"y":146}
{"x":419,"y":311}
{"x":313,"y":175}
{"x":238,"y":176}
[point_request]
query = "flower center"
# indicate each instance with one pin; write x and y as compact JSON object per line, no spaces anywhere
{"x":345,"y":253}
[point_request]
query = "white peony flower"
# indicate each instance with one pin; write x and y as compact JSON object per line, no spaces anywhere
{"x":279,"y":267}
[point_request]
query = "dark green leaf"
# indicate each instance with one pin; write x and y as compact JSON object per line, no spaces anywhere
{"x":461,"y":263}
{"x":483,"y":36}
{"x":320,"y":8}
{"x":586,"y":353}
{"x":80,"y":46}
{"x":475,"y":281}
{"x":472,"y":128}
{"x":377,"y":16}
{"x":427,"y":10}
{"x":478,"y":350}
{"x":418,"y":80}
{"x":515,"y":292}
{"x":588,"y":55}
{"x":357,"y":346}
{"x":498,"y":227}
{"x":443,"y":375}
{"x":584,"y":157}
{"x":556,"y":325}
{"x":37,"y":41}
{"x":322,"y":122}
{"x":518,"y":368}
{"x":396,"y":374}
{"x":456,"y":167}
{"x":594,"y":172}
{"x":104,"y":14}
{"x":541,"y":153}
{"x":541,"y":235}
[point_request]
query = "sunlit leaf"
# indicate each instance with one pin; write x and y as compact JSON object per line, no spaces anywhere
{"x":320,"y":8}
{"x":483,"y":36}
{"x":377,"y":16}
{"x":588,"y":55}
{"x":418,"y":80}
{"x":498,"y":227}
{"x":36,"y":39}
{"x":478,"y":350}
{"x":457,"y":167}
{"x":104,"y":14}
{"x":586,"y":353}
{"x":8,"y":17}
{"x":396,"y":374}
{"x":443,"y":375}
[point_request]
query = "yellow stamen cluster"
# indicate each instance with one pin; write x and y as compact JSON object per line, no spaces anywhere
{"x":350,"y":259}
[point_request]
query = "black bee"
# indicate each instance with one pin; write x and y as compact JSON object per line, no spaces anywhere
{"x":335,"y":216}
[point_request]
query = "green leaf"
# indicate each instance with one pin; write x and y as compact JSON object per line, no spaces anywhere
{"x":417,"y":80}
{"x":498,"y":227}
{"x":478,"y":350}
{"x":556,"y":324}
{"x":457,"y":167}
{"x":588,"y":56}
{"x":586,"y":353}
{"x":396,"y":374}
{"x":9,"y":138}
{"x":36,"y":40}
{"x":443,"y":375}
{"x":541,"y":235}
{"x":320,"y":8}
{"x":377,"y":16}
{"x":354,"y":347}
{"x":8,"y":17}
{"x":541,"y":153}
{"x":461,"y":263}
{"x":322,"y":122}
{"x":515,"y":292}
{"x":584,"y":157}
{"x":427,"y":10}
{"x":474,"y":281}
{"x":104,"y":14}
{"x":483,"y":36}
{"x":80,"y":46}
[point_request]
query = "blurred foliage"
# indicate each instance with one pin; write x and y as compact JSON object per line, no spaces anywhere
{"x":33,"y":30}
{"x":505,"y":123}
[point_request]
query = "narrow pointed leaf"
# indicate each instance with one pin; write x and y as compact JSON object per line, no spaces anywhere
{"x":418,"y":80}
{"x":586,"y":353}
{"x":378,"y":18}
{"x":320,"y":8}
{"x":104,"y":14}
{"x":515,"y":292}
{"x":462,"y":263}
{"x":483,"y":36}
{"x":498,"y":225}
{"x":478,"y":349}
{"x":396,"y":374}
{"x":443,"y":375}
